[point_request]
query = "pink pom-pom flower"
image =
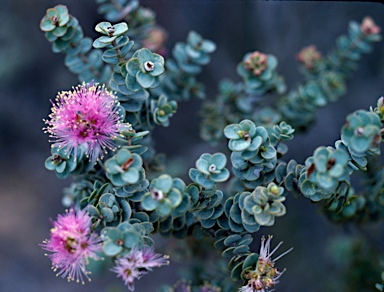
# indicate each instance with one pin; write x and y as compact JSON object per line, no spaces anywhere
{"x":71,"y":245}
{"x":86,"y":116}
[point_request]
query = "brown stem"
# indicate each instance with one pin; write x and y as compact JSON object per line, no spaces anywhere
{"x":118,"y":52}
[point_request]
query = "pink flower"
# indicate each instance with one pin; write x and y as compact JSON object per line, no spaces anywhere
{"x":369,"y":27}
{"x":253,"y":286}
{"x":71,"y":245}
{"x":265,"y":276}
{"x":151,"y":259}
{"x":128,"y":272}
{"x":136,"y":264}
{"x":87,"y":116}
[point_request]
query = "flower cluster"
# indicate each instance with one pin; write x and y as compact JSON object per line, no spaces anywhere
{"x":89,"y":116}
{"x":138,"y":263}
{"x":71,"y":244}
{"x":265,"y":276}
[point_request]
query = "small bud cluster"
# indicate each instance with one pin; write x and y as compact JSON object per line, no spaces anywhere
{"x":369,"y":27}
{"x":256,"y":63}
{"x":308,"y":56}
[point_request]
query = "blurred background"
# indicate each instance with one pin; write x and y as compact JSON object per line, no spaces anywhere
{"x":31,"y":74}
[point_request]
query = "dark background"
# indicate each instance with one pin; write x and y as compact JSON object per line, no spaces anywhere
{"x":30,"y":75}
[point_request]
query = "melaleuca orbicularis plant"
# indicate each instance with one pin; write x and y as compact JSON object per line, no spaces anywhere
{"x":100,"y":133}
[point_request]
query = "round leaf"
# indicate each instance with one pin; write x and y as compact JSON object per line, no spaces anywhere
{"x":144,"y":79}
{"x":148,"y":202}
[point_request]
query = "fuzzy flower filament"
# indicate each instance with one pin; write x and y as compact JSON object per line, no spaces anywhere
{"x":265,"y":276}
{"x":138,"y":263}
{"x":71,"y":245}
{"x":89,"y":116}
